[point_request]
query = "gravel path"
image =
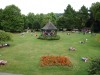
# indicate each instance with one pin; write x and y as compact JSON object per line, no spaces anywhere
{"x":1,"y":73}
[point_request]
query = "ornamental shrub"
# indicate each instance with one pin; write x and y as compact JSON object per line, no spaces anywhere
{"x":4,"y":36}
{"x":94,"y":68}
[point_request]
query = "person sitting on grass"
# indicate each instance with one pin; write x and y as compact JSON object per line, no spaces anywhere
{"x":68,"y":33}
{"x":82,"y":42}
{"x":84,"y":59}
{"x":3,"y":62}
{"x":72,"y":49}
{"x":86,"y":40}
{"x":6,"y":45}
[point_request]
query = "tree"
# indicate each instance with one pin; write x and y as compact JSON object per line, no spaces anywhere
{"x":39,"y":20}
{"x":25,"y":21}
{"x":36,"y":25}
{"x":83,"y":16}
{"x":1,"y":13}
{"x":58,"y":14}
{"x":50,"y":16}
{"x":69,"y":13}
{"x":94,"y":68}
{"x":61,"y":22}
{"x":77,"y":21}
{"x":95,"y":11}
{"x":12,"y":20}
{"x":30,"y":20}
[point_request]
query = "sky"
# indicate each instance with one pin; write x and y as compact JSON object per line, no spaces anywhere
{"x":46,"y":6}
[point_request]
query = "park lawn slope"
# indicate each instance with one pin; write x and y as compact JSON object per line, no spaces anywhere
{"x":23,"y":56}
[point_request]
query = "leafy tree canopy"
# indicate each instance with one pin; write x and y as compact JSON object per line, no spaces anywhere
{"x":95,"y":10}
{"x":12,"y":20}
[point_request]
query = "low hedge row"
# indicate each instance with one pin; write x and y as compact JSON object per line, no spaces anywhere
{"x":56,"y":37}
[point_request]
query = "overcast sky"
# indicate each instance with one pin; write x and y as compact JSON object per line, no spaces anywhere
{"x":46,"y":6}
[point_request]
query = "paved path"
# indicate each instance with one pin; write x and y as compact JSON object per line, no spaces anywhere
{"x":1,"y":73}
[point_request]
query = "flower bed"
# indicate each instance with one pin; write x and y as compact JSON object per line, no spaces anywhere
{"x":55,"y":61}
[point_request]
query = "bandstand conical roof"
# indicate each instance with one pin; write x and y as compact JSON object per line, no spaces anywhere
{"x":49,"y":26}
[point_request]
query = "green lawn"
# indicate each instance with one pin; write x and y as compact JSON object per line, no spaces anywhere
{"x":23,"y":56}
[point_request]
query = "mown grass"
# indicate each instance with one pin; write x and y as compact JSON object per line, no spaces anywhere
{"x":23,"y":56}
